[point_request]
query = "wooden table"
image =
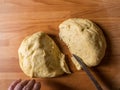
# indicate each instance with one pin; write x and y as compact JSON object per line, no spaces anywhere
{"x":19,"y":18}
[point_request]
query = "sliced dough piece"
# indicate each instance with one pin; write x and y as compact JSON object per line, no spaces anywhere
{"x":39,"y":56}
{"x":85,"y":39}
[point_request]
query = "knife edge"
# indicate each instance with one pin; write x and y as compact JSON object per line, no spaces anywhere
{"x":85,"y":68}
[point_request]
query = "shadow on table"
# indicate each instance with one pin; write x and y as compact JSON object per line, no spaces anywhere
{"x":106,"y":61}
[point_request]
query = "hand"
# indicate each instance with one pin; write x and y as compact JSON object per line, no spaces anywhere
{"x":24,"y":85}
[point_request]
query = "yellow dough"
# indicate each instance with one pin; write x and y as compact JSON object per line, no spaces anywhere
{"x":85,"y":39}
{"x":39,"y":56}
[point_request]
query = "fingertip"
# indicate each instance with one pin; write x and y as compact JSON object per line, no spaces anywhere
{"x":37,"y":86}
{"x":19,"y":79}
{"x":29,"y":85}
{"x":13,"y":84}
{"x":32,"y":80}
{"x":28,"y":80}
{"x":38,"y":83}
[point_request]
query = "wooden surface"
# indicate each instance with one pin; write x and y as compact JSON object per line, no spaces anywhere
{"x":19,"y":18}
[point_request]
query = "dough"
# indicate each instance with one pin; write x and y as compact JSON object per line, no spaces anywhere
{"x":85,"y":39}
{"x":39,"y":56}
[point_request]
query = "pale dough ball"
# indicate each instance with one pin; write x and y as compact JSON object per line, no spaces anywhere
{"x":85,"y":39}
{"x":39,"y":56}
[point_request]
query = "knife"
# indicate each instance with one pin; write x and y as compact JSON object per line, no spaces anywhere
{"x":86,"y":69}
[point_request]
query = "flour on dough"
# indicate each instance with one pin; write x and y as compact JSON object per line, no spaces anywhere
{"x":85,"y":39}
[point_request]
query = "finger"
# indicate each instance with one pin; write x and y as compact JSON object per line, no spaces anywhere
{"x":37,"y":86}
{"x":20,"y":85}
{"x":30,"y":85}
{"x":13,"y":84}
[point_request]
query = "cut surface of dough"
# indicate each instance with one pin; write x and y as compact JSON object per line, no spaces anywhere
{"x":39,"y":56}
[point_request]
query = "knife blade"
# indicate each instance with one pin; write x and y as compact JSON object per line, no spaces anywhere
{"x":86,"y":69}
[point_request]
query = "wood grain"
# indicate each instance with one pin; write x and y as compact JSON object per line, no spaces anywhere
{"x":19,"y":18}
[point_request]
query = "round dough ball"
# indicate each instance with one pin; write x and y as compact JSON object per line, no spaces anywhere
{"x":85,"y":39}
{"x":39,"y":56}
